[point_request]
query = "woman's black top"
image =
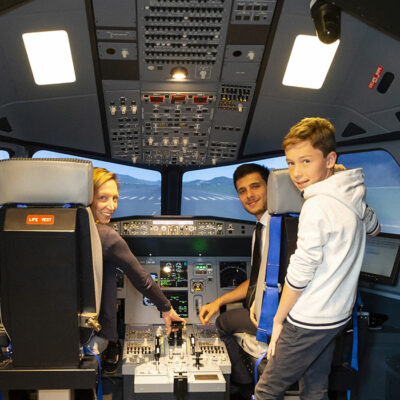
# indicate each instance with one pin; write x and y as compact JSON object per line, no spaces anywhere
{"x":116,"y":253}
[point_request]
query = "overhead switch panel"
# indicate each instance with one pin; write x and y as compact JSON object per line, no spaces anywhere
{"x":189,"y":34}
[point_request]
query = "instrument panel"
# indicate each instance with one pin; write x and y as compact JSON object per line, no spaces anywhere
{"x":193,"y":260}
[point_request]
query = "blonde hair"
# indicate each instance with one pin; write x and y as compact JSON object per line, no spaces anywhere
{"x":100,"y":176}
{"x":319,"y":131}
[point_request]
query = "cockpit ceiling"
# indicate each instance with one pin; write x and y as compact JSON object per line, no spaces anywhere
{"x":125,"y":105}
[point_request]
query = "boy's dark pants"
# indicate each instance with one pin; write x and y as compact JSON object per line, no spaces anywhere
{"x":303,"y":355}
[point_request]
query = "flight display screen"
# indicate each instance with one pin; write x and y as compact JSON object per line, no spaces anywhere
{"x":382,"y":259}
{"x":173,"y":274}
{"x":146,"y":300}
{"x":179,"y":302}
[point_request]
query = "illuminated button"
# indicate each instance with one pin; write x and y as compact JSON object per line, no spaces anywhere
{"x":113,"y":110}
{"x":123,"y":109}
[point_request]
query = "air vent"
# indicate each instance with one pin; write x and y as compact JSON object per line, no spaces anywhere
{"x":385,"y":82}
{"x":353,"y":130}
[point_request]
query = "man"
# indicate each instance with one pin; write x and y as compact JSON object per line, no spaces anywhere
{"x":251,"y":185}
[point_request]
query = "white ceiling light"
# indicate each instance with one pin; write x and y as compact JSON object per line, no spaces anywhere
{"x":50,"y":57}
{"x":309,"y":62}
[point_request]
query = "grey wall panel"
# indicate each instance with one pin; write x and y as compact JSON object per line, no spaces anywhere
{"x":244,"y":53}
{"x":63,"y":114}
{"x":71,"y":122}
{"x":122,"y":13}
{"x":19,"y":73}
{"x":344,"y":97}
{"x":240,"y":71}
{"x":270,"y":129}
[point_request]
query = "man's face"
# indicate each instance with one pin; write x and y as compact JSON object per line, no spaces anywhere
{"x":307,"y":165}
{"x":252,"y":191}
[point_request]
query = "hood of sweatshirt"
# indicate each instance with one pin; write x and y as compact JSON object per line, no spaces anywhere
{"x":345,"y":186}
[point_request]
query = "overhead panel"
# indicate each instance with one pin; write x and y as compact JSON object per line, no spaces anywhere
{"x":189,"y":34}
{"x":154,"y":119}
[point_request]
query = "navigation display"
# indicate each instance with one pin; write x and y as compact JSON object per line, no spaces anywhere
{"x":173,"y":274}
{"x":179,"y":302}
{"x":381,"y":259}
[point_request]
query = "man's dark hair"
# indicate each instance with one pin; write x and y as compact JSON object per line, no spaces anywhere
{"x":247,"y":169}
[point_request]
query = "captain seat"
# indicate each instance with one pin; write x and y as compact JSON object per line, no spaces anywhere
{"x":50,"y":271}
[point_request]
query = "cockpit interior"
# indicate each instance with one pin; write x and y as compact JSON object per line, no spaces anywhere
{"x":173,"y":96}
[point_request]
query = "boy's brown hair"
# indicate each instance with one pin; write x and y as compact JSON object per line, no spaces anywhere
{"x":319,"y":131}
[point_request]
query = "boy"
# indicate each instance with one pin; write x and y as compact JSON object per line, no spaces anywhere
{"x":321,"y":281}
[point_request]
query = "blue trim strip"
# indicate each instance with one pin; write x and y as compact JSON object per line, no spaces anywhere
{"x":87,"y":351}
{"x":354,"y":353}
{"x":271,"y":295}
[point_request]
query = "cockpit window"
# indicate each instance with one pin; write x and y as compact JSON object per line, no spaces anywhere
{"x":211,"y":191}
{"x":382,"y":179}
{"x":140,"y":189}
{"x":4,"y":155}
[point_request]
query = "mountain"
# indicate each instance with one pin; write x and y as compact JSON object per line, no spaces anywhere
{"x":130,"y":180}
{"x":219,"y":185}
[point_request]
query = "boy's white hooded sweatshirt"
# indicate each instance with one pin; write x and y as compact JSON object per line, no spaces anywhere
{"x":330,"y":248}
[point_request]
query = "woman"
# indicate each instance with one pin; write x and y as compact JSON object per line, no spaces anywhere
{"x":116,"y":253}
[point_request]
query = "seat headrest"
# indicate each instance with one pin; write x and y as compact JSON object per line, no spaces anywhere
{"x":46,"y":181}
{"x":283,"y":196}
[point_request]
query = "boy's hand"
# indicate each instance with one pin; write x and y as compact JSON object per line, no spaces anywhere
{"x":276,"y":331}
{"x":207,"y":311}
{"x":170,"y":316}
{"x":339,"y":167}
{"x":253,"y":317}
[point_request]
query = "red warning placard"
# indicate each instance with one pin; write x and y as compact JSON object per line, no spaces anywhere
{"x":376,"y":76}
{"x":40,"y":219}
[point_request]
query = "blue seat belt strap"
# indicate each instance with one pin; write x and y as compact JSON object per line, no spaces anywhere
{"x":271,"y":294}
{"x":86,"y":351}
{"x":354,"y":353}
{"x":259,"y":359}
